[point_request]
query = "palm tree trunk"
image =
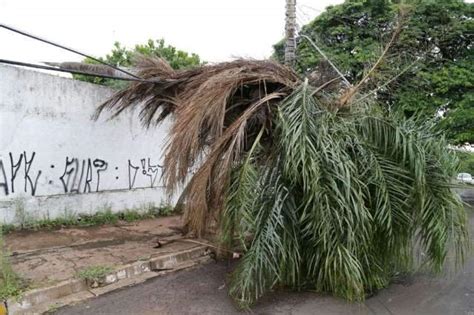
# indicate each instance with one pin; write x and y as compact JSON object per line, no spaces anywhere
{"x":290,"y":29}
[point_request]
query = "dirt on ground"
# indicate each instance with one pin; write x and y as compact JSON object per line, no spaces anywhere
{"x":47,"y":257}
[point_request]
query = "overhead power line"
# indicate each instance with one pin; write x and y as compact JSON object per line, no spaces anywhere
{"x":304,"y":16}
{"x":309,"y":7}
{"x":15,"y":30}
{"x":326,"y":57}
{"x":31,"y":65}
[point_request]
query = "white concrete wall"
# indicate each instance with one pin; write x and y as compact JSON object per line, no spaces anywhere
{"x":54,"y":159}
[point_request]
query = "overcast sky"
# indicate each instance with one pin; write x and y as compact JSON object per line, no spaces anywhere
{"x":215,"y":29}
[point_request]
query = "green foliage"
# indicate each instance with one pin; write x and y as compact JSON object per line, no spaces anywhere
{"x":437,"y":35}
{"x":339,"y":202}
{"x":149,"y":212}
{"x":466,"y":162}
{"x":10,"y":283}
{"x":94,"y":273}
{"x":6,"y":228}
{"x":105,"y":216}
{"x":124,"y":57}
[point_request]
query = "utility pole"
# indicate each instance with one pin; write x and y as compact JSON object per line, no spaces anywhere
{"x":290,"y":31}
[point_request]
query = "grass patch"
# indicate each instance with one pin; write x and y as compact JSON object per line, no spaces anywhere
{"x":106,"y":216}
{"x":11,"y":284}
{"x":150,"y":212}
{"x":6,"y":228}
{"x":94,"y":273}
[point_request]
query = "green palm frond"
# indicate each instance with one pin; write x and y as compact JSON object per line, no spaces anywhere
{"x":345,"y":199}
{"x":316,"y":190}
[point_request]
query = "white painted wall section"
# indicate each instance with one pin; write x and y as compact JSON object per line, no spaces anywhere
{"x":54,"y":159}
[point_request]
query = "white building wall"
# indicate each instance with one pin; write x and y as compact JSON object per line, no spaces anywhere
{"x":55,"y":160}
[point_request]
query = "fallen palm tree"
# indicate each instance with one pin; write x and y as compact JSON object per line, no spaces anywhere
{"x":317,"y":189}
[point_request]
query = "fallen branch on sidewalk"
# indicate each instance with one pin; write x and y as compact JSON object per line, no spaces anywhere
{"x":317,"y":190}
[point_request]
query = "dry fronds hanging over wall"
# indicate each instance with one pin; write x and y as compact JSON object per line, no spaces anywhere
{"x":318,"y":191}
{"x":217,"y":109}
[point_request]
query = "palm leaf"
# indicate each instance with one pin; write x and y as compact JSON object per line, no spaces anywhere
{"x":317,"y":193}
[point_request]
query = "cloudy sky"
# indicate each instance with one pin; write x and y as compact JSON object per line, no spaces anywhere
{"x":215,"y":29}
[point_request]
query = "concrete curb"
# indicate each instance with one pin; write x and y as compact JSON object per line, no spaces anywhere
{"x":33,"y":301}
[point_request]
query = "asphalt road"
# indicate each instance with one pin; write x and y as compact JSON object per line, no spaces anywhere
{"x":467,"y":195}
{"x":203,"y":291}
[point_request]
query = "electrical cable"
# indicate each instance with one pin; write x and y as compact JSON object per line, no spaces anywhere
{"x":31,"y":65}
{"x":328,"y":60}
{"x":309,"y":7}
{"x":10,"y":28}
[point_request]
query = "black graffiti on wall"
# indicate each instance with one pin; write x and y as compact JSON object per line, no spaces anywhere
{"x":145,"y":169}
{"x":4,"y":180}
{"x":29,"y":182}
{"x":19,"y":173}
{"x":79,"y":174}
{"x":29,"y":179}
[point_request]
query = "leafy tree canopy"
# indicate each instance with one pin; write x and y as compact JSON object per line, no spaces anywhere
{"x":123,"y":57}
{"x":436,"y":41}
{"x":467,"y":162}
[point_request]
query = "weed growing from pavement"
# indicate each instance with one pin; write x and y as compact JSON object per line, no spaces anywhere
{"x":105,"y":216}
{"x":94,"y":273}
{"x":10,"y":283}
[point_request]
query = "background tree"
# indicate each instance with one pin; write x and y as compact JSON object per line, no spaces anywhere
{"x":436,"y":41}
{"x":467,"y":162}
{"x":123,"y":57}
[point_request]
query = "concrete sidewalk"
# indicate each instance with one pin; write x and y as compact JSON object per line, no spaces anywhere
{"x":50,"y":261}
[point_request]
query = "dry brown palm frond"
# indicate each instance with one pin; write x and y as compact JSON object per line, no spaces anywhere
{"x":204,"y":193}
{"x":217,"y":109}
{"x":172,"y":88}
{"x":152,"y":67}
{"x":207,"y":104}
